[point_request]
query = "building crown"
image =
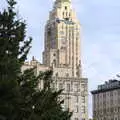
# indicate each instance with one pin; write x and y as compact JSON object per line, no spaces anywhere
{"x":62,"y":1}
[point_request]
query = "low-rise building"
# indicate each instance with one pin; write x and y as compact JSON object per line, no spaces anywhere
{"x":106,"y":101}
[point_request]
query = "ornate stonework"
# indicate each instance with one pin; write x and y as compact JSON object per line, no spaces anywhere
{"x":62,"y":54}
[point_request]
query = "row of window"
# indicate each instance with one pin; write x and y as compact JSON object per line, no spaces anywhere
{"x":107,"y":118}
{"x":107,"y":111}
{"x":106,"y":94}
{"x":69,"y":88}
{"x":69,"y":28}
{"x":108,"y":101}
{"x":66,"y":14}
{"x":78,"y":119}
{"x":64,"y":36}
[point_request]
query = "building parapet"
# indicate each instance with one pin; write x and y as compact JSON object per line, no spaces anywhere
{"x":108,"y":86}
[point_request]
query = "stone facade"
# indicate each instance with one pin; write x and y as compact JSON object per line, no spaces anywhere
{"x":62,"y":55}
{"x":35,"y":64}
{"x":62,"y":38}
{"x":106,"y":101}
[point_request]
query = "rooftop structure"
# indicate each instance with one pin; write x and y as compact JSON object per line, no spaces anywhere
{"x":108,"y":86}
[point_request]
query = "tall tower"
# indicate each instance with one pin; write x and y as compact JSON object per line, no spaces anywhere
{"x":62,"y":38}
{"x":62,"y":53}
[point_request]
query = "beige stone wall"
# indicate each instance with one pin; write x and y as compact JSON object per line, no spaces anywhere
{"x":106,"y":105}
{"x":62,"y":54}
{"x":62,"y":32}
{"x":34,"y":63}
{"x":75,"y":92}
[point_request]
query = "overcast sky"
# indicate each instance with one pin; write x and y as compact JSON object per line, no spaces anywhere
{"x":100,"y":20}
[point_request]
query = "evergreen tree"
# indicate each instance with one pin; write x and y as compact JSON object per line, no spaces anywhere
{"x":13,"y":52}
{"x":20,"y":98}
{"x":41,"y":104}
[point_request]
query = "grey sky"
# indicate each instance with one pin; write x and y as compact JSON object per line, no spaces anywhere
{"x":100,"y":20}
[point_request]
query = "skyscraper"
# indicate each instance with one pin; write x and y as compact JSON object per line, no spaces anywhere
{"x":62,"y":53}
{"x":62,"y":39}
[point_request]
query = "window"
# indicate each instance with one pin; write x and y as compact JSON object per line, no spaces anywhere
{"x":54,"y":62}
{"x":56,"y":74}
{"x":53,"y":44}
{"x":66,"y":18}
{"x":66,"y":13}
{"x":83,"y":99}
{"x":67,"y":75}
{"x":53,"y":85}
{"x":54,"y":54}
{"x":83,"y":109}
{"x":60,"y":86}
{"x":76,"y":118}
{"x":68,"y":87}
{"x":116,"y":118}
{"x":62,"y":32}
{"x":65,"y":7}
{"x":63,"y":14}
{"x":111,"y":94}
{"x":76,"y":109}
{"x":76,"y":88}
{"x":76,"y":99}
{"x":69,"y":14}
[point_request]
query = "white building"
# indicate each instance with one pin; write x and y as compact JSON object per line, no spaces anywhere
{"x":62,"y":54}
{"x":106,"y":101}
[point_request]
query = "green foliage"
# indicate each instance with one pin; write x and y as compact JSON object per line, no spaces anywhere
{"x":42,"y":104}
{"x":12,"y":35}
{"x":20,"y":98}
{"x":13,"y":52}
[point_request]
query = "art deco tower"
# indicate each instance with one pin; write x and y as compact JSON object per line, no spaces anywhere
{"x":62,"y":54}
{"x":62,"y":38}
